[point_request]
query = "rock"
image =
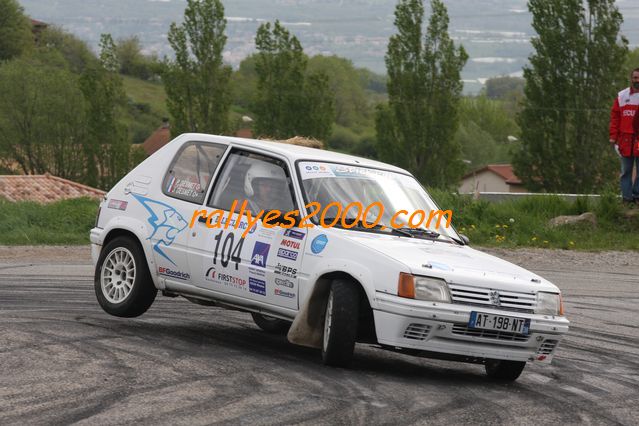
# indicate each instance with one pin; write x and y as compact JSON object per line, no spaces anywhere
{"x":631,"y":214}
{"x":588,"y":218}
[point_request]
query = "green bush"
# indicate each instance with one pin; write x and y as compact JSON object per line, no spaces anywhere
{"x":63,"y":222}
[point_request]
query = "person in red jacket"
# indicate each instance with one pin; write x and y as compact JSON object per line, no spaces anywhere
{"x":624,"y":136}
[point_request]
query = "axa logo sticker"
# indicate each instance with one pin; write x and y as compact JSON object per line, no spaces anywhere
{"x":319,"y":243}
{"x":260,"y":254}
{"x":166,"y":222}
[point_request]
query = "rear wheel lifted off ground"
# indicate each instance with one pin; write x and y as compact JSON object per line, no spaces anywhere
{"x":123,"y":284}
{"x":340,"y":323}
{"x":270,"y":324}
{"x":504,"y":371}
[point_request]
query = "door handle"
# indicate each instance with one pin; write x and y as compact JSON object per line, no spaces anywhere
{"x":202,"y":219}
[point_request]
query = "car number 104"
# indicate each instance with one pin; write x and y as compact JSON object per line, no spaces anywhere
{"x":499,"y":322}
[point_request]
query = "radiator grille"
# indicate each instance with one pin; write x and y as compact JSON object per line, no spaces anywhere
{"x":508,"y":300}
{"x":547,"y":347}
{"x":462,"y":329}
{"x":417,"y":331}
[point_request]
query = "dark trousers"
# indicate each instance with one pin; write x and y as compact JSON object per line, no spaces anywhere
{"x":629,"y":189}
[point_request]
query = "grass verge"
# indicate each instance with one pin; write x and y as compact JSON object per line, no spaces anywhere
{"x":61,"y":223}
{"x":510,"y":224}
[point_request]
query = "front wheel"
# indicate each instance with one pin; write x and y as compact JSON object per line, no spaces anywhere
{"x":123,"y":284}
{"x":340,"y":324}
{"x":270,"y":324}
{"x":504,"y":371}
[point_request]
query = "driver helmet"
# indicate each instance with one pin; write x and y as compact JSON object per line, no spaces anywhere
{"x":262,"y":170}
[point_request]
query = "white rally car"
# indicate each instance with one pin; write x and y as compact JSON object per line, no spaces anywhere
{"x":419,"y":291}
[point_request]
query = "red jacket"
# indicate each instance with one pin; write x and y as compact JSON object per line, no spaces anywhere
{"x":624,"y":121}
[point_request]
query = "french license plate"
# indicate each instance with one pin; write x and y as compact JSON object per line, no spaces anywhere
{"x":499,"y":323}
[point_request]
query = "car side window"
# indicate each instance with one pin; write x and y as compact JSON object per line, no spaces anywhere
{"x":264,"y":182}
{"x":192,"y":170}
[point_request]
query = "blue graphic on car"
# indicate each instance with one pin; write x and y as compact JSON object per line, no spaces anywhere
{"x":167,"y":223}
{"x":319,"y":243}
{"x":260,"y":254}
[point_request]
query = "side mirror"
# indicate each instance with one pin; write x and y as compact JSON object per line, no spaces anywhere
{"x":464,"y":239}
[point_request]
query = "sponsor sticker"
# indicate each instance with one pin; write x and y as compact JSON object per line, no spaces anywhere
{"x":292,"y":233}
{"x":260,"y":254}
{"x":319,"y":243}
{"x":174,"y":274}
{"x":315,"y":170}
{"x":118,"y":204}
{"x":284,"y":293}
{"x":257,"y":271}
{"x":290,"y":244}
{"x":283,"y":282}
{"x":257,"y":286}
{"x":287,"y":254}
{"x":285,"y":270}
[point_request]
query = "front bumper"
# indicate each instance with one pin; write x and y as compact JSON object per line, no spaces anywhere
{"x":442,"y":328}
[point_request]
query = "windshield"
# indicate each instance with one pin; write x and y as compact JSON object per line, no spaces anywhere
{"x":387,"y":193}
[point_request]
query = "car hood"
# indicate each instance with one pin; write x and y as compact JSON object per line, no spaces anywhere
{"x":454,"y":263}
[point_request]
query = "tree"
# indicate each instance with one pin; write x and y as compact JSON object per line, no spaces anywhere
{"x":41,"y":117}
{"x":197,"y":81}
{"x":15,"y":30}
{"x":106,"y":147}
{"x":133,"y":62}
{"x":570,"y":86}
{"x":288,"y":102}
{"x":351,"y":106}
{"x":75,"y":51}
{"x":416,"y":129}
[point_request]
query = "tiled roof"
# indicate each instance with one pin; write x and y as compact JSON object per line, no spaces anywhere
{"x":43,"y":188}
{"x":157,"y":140}
{"x":505,"y":171}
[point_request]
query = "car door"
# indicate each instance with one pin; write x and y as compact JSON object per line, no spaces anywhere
{"x":237,"y":254}
{"x":184,"y":188}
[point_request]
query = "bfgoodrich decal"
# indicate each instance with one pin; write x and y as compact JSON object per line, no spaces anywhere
{"x":174,"y":274}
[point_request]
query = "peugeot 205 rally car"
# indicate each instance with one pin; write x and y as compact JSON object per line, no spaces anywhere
{"x":420,"y":291}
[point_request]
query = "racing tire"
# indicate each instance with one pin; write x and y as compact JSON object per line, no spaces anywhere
{"x":123,"y":284}
{"x":504,"y":371}
{"x":340,"y":324}
{"x":270,"y":324}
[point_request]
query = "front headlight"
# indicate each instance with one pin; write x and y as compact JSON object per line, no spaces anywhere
{"x":549,"y":304}
{"x":423,"y":288}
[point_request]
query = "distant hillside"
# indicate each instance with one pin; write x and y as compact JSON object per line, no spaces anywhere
{"x":496,"y":33}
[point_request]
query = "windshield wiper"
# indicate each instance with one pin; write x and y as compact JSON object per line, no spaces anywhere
{"x":421,"y":232}
{"x":360,"y":226}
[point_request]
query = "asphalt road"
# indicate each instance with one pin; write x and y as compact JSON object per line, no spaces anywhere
{"x":63,"y":360}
